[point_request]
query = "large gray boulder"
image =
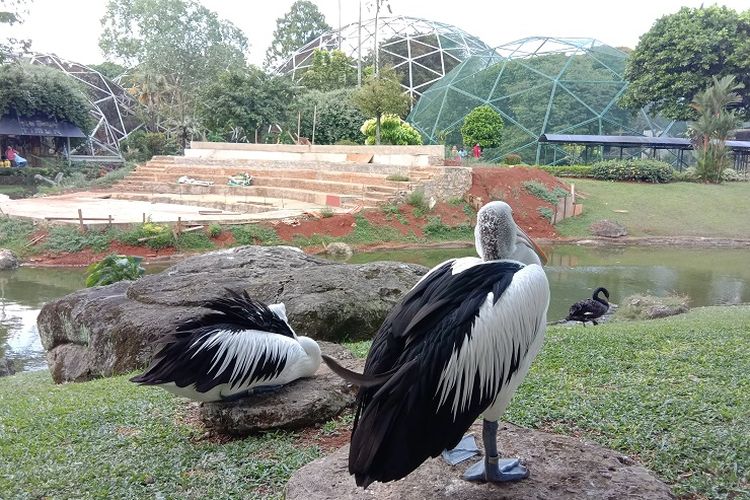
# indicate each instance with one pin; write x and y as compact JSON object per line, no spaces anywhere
{"x":5,"y":367}
{"x":8,"y":259}
{"x":110,"y":330}
{"x":560,"y":467}
{"x":302,"y":403}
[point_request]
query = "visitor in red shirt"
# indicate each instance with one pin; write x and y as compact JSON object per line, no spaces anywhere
{"x":477,"y":150}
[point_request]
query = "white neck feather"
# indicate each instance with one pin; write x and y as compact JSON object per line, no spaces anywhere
{"x":313,"y":355}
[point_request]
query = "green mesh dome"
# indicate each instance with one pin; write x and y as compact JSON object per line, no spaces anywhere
{"x":539,"y":86}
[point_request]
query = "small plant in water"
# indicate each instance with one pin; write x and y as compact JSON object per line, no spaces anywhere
{"x":114,"y":268}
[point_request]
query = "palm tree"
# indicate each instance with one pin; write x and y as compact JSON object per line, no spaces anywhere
{"x":713,"y":127}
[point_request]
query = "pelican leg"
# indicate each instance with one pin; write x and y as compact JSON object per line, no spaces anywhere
{"x":491,"y":468}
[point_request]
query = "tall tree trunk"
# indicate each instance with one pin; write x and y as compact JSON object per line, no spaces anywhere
{"x":377,"y":128}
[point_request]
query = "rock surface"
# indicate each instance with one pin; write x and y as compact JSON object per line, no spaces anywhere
{"x":5,"y":367}
{"x":302,"y":403}
{"x":8,"y":259}
{"x":608,"y":229}
{"x":561,"y":468}
{"x":109,"y":330}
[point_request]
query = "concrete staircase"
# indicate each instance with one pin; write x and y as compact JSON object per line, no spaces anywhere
{"x":276,"y":184}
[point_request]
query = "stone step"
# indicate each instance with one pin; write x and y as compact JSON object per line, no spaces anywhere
{"x":217,"y":174}
{"x":271,"y":192}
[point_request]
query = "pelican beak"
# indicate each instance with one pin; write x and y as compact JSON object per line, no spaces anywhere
{"x":526,"y":239}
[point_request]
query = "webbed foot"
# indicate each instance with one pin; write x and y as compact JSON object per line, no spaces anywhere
{"x":494,"y":470}
{"x":464,"y":450}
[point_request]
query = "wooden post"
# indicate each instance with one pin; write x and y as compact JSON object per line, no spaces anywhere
{"x":179,"y":226}
{"x":110,"y":221}
{"x":144,"y":217}
{"x":80,"y":221}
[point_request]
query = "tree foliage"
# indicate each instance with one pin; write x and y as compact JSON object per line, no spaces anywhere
{"x":11,"y":13}
{"x":337,"y":119}
{"x":109,"y":69}
{"x":713,"y":126}
{"x":241,"y":104}
{"x":176,"y":48}
{"x":381,"y":94}
{"x":483,"y":126}
{"x":181,"y":38}
{"x":682,"y":52}
{"x":301,"y":24}
{"x":30,"y":89}
{"x":393,"y":130}
{"x":330,"y":70}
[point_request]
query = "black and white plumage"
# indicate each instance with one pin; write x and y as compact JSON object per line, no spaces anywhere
{"x":242,"y":346}
{"x":457,"y":346}
{"x":590,"y":309}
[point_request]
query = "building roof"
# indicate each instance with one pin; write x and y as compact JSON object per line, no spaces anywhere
{"x":11,"y":124}
{"x":631,"y":141}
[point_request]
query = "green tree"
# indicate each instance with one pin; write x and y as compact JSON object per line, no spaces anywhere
{"x":30,"y":89}
{"x":394,"y":130}
{"x":336,"y":118}
{"x":330,"y":70}
{"x":483,"y":126}
{"x":176,"y":47}
{"x":242,"y":103}
{"x":109,"y":69}
{"x":381,"y":94}
{"x":11,"y":13}
{"x":301,"y":24}
{"x":713,"y":126}
{"x":681,"y":53}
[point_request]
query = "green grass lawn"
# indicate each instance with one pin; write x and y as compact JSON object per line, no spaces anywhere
{"x":672,"y":393}
{"x":674,"y":209}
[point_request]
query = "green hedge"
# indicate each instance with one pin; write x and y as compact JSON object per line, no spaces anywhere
{"x":568,"y":171}
{"x":638,"y":170}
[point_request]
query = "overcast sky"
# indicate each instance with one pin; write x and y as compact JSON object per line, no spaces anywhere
{"x":71,"y":28}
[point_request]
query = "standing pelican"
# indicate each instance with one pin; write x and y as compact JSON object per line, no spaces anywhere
{"x":590,"y":309}
{"x":242,"y":347}
{"x":457,"y":346}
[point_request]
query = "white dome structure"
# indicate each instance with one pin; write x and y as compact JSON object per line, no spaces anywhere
{"x":112,"y":108}
{"x":421,"y":51}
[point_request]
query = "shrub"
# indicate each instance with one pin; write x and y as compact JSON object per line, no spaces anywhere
{"x":416,"y":199}
{"x":435,"y":229}
{"x":688,"y":175}
{"x":580,"y":171}
{"x":114,"y":268}
{"x":68,"y":239}
{"x":254,"y":234}
{"x":546,"y":212}
{"x":326,"y":212}
{"x":639,"y":170}
{"x":393,"y":130}
{"x":214,"y":230}
{"x":512,"y":159}
{"x":142,"y":146}
{"x":159,"y":236}
{"x":540,"y":191}
{"x":730,"y":174}
{"x":484,"y":126}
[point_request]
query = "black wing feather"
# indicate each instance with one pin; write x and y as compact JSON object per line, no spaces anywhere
{"x":396,"y":427}
{"x":184,"y":360}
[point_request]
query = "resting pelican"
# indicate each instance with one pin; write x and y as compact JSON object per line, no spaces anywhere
{"x":457,"y":346}
{"x":243,"y":347}
{"x":590,"y":309}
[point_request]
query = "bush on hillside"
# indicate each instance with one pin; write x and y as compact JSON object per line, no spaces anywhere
{"x":512,"y":159}
{"x":142,"y":146}
{"x":638,"y":170}
{"x":580,"y":171}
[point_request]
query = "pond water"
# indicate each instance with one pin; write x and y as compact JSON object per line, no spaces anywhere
{"x":707,"y":276}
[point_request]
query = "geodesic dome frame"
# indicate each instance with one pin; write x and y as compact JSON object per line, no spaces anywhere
{"x":112,"y":107}
{"x":539,"y":85}
{"x":421,"y":51}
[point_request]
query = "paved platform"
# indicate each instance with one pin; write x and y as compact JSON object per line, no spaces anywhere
{"x":97,"y":206}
